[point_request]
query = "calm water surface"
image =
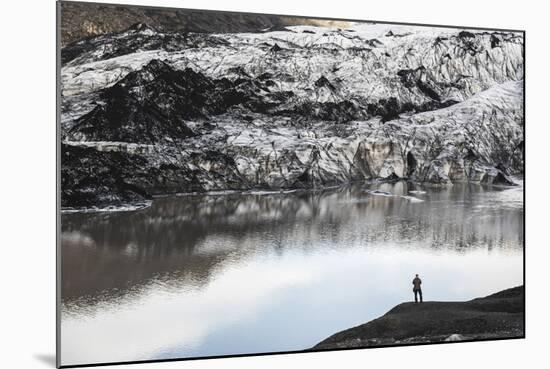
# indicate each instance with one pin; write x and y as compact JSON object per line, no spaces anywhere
{"x":262,"y":272}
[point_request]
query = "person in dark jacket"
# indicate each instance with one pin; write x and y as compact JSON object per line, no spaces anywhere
{"x":416,"y":288}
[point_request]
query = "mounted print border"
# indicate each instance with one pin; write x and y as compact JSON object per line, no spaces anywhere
{"x":236,"y":184}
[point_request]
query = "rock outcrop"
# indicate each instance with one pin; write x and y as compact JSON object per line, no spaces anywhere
{"x":299,"y":107}
{"x":500,"y":315}
{"x":84,"y":21}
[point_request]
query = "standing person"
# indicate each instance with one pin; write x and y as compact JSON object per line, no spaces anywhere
{"x":416,"y":288}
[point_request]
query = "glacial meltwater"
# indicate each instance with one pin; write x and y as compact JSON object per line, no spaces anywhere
{"x":237,"y":273}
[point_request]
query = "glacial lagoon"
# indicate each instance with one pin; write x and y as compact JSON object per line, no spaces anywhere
{"x":266,"y":271}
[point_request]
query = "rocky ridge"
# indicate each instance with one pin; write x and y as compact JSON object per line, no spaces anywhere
{"x":500,"y":315}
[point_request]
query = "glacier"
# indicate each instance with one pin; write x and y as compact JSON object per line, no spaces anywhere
{"x":147,"y":113}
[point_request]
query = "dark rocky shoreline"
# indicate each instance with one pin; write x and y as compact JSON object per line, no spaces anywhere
{"x":500,"y":315}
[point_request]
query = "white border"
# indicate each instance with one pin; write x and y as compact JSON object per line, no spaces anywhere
{"x":28,"y":183}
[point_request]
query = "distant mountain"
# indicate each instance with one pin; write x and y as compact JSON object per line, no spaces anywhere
{"x":80,"y":20}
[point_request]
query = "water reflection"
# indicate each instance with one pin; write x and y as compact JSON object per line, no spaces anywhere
{"x":210,"y":275}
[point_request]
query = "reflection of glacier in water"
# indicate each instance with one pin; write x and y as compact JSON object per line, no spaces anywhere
{"x":244,"y":273}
